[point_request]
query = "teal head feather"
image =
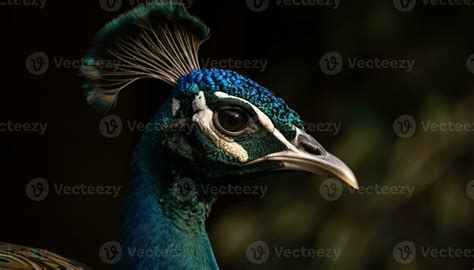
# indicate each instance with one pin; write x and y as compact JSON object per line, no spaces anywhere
{"x":216,"y":126}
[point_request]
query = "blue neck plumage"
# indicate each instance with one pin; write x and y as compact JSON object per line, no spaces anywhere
{"x":158,"y":231}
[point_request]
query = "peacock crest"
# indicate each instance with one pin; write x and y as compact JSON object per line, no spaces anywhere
{"x":158,"y":40}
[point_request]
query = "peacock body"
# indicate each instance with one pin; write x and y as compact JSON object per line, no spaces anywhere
{"x":216,"y":127}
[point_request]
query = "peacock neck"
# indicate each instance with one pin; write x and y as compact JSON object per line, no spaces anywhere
{"x":161,"y":228}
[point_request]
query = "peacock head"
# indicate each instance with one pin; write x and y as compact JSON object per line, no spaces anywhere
{"x":228,"y":125}
{"x":217,"y":123}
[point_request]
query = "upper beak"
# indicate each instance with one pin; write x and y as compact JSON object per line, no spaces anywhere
{"x":308,"y":155}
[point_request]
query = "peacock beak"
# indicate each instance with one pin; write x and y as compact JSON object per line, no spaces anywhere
{"x":309,"y":156}
{"x":325,"y":164}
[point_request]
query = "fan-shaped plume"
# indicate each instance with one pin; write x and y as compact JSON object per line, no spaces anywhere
{"x":158,"y":40}
{"x":20,"y":257}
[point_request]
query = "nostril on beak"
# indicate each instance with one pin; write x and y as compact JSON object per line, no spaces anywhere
{"x":310,"y":145}
{"x":311,"y":148}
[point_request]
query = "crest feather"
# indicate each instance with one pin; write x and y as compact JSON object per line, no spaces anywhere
{"x":158,"y":40}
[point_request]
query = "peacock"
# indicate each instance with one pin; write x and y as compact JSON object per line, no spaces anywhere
{"x":216,"y":127}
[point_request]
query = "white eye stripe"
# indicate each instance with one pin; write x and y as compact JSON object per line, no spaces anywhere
{"x":264,"y":120}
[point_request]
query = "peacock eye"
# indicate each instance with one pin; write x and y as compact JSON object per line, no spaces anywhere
{"x":232,"y":121}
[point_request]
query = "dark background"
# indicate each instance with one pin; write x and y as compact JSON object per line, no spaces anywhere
{"x":439,"y":165}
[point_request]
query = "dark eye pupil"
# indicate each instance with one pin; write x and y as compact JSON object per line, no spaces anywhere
{"x":233,"y":121}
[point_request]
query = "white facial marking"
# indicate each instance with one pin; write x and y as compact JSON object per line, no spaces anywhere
{"x":264,"y":120}
{"x":199,"y":102}
{"x":298,"y":133}
{"x":175,"y":106}
{"x":203,"y":117}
